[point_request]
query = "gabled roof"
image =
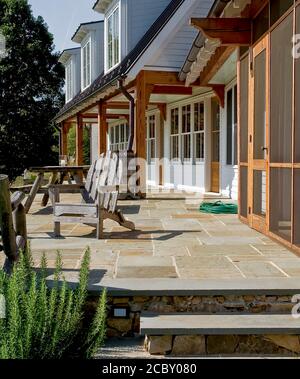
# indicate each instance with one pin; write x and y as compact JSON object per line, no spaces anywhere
{"x":67,"y":53}
{"x":128,"y":62}
{"x":83,"y":29}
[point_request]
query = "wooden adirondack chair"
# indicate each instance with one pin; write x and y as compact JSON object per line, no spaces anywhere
{"x":100,"y":197}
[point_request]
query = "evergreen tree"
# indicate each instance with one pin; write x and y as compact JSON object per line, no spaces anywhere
{"x":31,"y":82}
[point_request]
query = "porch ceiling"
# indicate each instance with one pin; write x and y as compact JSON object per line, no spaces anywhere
{"x":227,"y":72}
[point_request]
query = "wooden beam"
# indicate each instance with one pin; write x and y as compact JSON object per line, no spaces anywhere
{"x":102,"y":128}
{"x":143,"y":92}
{"x":117,"y":105}
{"x":90,"y":115}
{"x":215,"y":63}
{"x":172,"y":90}
{"x":162,"y":78}
{"x":79,"y":140}
{"x":163,"y":111}
{"x":219,"y":90}
{"x":230,"y":31}
{"x":111,"y":116}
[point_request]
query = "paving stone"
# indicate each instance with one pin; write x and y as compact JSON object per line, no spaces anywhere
{"x":146,"y":272}
{"x":218,"y":263}
{"x":145,"y":261}
{"x":223,"y":250}
{"x":165,"y":251}
{"x":259,"y":269}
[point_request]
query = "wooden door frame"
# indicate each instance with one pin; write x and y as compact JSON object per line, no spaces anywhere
{"x":257,"y":222}
{"x":212,"y":150}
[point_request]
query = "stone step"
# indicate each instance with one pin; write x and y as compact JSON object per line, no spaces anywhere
{"x":221,"y":335}
{"x":229,"y":324}
{"x":186,"y":287}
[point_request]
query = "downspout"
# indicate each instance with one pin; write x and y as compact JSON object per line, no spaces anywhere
{"x":132,"y":113}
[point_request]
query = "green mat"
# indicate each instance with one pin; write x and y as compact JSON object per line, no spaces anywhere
{"x":219,"y":208}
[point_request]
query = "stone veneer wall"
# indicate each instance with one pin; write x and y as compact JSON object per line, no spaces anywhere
{"x":278,"y":345}
{"x":118,"y":327}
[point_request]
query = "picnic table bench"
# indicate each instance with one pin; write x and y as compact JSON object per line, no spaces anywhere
{"x":58,"y":174}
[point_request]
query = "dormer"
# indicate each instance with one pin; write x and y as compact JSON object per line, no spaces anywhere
{"x":71,"y":59}
{"x":125,"y":23}
{"x":90,"y":36}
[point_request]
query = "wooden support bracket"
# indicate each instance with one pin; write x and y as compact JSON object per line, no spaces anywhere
{"x":230,"y":31}
{"x":219,"y":90}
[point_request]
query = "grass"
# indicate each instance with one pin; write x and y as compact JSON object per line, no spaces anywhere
{"x":44,"y":323}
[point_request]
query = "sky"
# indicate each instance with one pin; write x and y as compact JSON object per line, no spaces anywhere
{"x":63,"y":17}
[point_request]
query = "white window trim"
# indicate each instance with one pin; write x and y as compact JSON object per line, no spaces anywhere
{"x":190,"y":134}
{"x":69,"y":65}
{"x":118,"y":145}
{"x":150,"y":140}
{"x":178,"y":135}
{"x":198,"y":132}
{"x":108,"y":69}
{"x":88,"y":41}
{"x":192,"y":160}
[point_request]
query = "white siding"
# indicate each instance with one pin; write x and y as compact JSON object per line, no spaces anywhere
{"x":174,"y":52}
{"x":140,"y":15}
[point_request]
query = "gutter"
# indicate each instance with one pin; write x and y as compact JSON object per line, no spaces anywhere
{"x":132,"y":113}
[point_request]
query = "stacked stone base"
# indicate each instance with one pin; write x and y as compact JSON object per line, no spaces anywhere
{"x":238,"y":345}
{"x":190,"y":304}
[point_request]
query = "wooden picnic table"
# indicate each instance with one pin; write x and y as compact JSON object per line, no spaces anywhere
{"x":58,"y":176}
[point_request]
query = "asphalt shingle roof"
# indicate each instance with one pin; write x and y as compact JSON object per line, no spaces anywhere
{"x":105,"y":80}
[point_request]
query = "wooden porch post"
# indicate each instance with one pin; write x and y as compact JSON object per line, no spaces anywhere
{"x":102,"y":128}
{"x":143,"y":93}
{"x":64,"y":139}
{"x":79,"y":140}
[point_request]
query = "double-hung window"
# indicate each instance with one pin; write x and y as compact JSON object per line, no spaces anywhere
{"x":175,"y":154}
{"x":231,"y":106}
{"x":86,"y":65}
{"x":112,"y":39}
{"x":199,"y":136}
{"x":151,"y":137}
{"x":69,"y":81}
{"x":119,"y":136}
{"x":186,"y":133}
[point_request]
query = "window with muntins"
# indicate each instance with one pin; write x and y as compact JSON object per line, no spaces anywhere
{"x":186,"y":133}
{"x":175,"y":133}
{"x":151,"y":136}
{"x":69,"y":84}
{"x":199,"y":136}
{"x":119,"y":136}
{"x":113,"y":39}
{"x":86,"y":65}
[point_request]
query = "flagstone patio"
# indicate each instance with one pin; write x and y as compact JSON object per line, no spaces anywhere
{"x":173,"y":240}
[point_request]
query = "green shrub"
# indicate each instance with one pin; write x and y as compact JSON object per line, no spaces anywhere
{"x":44,"y":323}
